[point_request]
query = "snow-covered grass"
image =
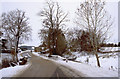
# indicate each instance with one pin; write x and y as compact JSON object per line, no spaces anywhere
{"x":108,"y":49}
{"x":107,"y":61}
{"x":5,"y":59}
{"x":6,"y":55}
{"x":89,"y":70}
{"x":9,"y":57}
{"x":12,"y":71}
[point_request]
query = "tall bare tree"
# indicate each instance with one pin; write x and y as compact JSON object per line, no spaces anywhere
{"x":92,"y":16}
{"x":15,"y":26}
{"x":54,"y":20}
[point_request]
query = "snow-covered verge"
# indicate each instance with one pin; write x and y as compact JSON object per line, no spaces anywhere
{"x":23,"y":54}
{"x":90,"y":71}
{"x":107,"y":61}
{"x":12,"y":71}
{"x":86,"y":69}
{"x":108,"y":49}
{"x":8,"y":56}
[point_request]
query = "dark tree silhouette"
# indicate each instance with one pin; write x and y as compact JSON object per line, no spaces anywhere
{"x":53,"y":22}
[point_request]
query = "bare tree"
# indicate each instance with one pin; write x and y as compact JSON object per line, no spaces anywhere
{"x":93,"y":17}
{"x":53,"y":22}
{"x":72,"y":38}
{"x":43,"y":35}
{"x":15,"y":26}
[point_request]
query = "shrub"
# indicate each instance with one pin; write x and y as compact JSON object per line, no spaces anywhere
{"x":5,"y":63}
{"x":23,"y":61}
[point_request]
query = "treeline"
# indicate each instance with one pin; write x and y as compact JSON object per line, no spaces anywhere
{"x":14,"y":29}
{"x":92,"y":20}
{"x":93,"y":24}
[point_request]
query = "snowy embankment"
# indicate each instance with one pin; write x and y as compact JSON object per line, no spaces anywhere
{"x":12,"y":71}
{"x":109,"y":49}
{"x":107,"y":61}
{"x":84,"y":68}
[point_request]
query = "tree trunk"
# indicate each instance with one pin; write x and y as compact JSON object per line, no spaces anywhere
{"x":16,"y":48}
{"x":50,"y":52}
{"x":98,"y":62}
{"x":49,"y":43}
{"x":13,"y":55}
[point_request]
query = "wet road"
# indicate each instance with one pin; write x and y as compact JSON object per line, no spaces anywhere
{"x":42,"y":68}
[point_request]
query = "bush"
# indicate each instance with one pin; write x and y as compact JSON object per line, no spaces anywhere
{"x":23,"y":61}
{"x":5,"y":63}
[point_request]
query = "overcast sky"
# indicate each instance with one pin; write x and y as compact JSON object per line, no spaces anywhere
{"x":32,"y":7}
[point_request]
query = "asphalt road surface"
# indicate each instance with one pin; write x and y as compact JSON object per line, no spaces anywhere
{"x":44,"y":68}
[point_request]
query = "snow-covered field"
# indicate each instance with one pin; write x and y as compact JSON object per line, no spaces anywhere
{"x":5,"y":56}
{"x":9,"y":56}
{"x":107,"y":61}
{"x":12,"y":71}
{"x":88,"y":69}
{"x":108,"y":49}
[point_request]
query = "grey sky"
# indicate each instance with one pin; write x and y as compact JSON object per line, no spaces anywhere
{"x":32,"y":7}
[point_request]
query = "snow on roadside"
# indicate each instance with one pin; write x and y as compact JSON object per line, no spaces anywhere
{"x":6,"y":56}
{"x":43,"y":56}
{"x":107,"y":49}
{"x":87,"y":70}
{"x":107,"y":61}
{"x":90,"y":71}
{"x":12,"y":71}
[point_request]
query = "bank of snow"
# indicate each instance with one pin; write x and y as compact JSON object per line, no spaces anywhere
{"x":90,"y":71}
{"x":107,"y":61}
{"x":12,"y":71}
{"x":86,"y":69}
{"x":108,"y":49}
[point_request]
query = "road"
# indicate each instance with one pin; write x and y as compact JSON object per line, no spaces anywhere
{"x":45,"y":68}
